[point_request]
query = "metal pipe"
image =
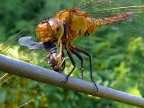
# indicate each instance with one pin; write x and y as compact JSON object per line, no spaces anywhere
{"x":19,"y":68}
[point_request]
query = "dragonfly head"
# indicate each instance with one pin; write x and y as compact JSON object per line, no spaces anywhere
{"x":50,"y":30}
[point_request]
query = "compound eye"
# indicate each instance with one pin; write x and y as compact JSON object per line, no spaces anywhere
{"x":44,"y":31}
{"x":57,"y":27}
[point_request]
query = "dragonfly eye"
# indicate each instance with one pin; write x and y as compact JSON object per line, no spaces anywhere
{"x":50,"y":30}
{"x":57,"y":28}
{"x":44,"y":31}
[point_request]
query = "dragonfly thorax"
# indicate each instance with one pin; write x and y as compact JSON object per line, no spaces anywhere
{"x":50,"y":30}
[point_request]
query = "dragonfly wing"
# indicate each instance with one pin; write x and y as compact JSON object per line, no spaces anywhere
{"x":107,"y":8}
{"x":36,"y":45}
{"x":27,"y":41}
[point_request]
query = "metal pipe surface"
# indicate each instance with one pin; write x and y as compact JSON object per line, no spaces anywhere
{"x":22,"y":69}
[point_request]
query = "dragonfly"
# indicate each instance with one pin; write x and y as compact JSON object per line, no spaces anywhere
{"x":58,"y":33}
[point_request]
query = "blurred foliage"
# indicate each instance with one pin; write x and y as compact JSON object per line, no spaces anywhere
{"x":117,"y":59}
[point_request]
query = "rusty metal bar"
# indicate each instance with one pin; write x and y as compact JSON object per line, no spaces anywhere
{"x":19,"y":68}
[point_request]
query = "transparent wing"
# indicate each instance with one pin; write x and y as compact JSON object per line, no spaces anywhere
{"x":25,"y":46}
{"x":108,"y":8}
{"x":27,"y":41}
{"x":11,"y":47}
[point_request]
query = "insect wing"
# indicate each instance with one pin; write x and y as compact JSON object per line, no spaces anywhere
{"x":27,"y":41}
{"x":108,"y":8}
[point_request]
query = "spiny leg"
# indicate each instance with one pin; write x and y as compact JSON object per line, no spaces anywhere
{"x":65,"y":28}
{"x":63,"y":56}
{"x":90,"y":61}
{"x":73,"y":63}
{"x":64,"y":64}
{"x":81,"y":59}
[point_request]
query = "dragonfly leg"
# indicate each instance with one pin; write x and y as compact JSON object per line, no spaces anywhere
{"x":81,"y":59}
{"x":63,"y":64}
{"x":65,"y":29}
{"x":63,"y":56}
{"x":90,"y":61}
{"x":73,"y":63}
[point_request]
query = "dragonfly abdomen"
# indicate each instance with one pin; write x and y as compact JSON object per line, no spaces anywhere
{"x":94,"y":24}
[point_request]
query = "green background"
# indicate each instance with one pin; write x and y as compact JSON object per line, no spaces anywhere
{"x":117,"y":57}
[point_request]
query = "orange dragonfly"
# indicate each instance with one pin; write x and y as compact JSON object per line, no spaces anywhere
{"x":66,"y":26}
